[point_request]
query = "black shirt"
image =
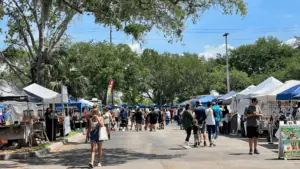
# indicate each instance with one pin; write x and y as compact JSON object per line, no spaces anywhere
{"x":138,"y":116}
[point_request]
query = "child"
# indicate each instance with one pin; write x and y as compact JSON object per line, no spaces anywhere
{"x":196,"y":133}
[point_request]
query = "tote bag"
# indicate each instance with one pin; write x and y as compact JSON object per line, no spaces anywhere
{"x":103,"y":134}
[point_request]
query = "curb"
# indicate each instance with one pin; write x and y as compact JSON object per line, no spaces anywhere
{"x":38,"y":153}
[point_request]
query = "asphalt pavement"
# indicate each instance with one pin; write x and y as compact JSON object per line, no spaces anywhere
{"x":160,"y":150}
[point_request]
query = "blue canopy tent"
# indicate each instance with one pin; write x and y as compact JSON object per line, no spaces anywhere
{"x":289,"y":94}
{"x":204,"y":100}
{"x":124,"y":105}
{"x":141,"y":106}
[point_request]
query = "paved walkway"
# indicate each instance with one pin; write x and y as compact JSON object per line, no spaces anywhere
{"x":159,"y":150}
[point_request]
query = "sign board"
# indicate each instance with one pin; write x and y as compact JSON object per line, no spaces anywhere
{"x":67,"y":125}
{"x":290,"y":135}
{"x":64,"y":94}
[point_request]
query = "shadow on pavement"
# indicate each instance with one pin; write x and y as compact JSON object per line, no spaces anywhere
{"x":79,"y":158}
{"x":238,"y":154}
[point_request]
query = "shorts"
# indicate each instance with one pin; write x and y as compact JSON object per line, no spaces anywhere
{"x":197,"y":137}
{"x":252,"y":132}
{"x":153,"y":121}
{"x":138,"y":121}
{"x":203,"y":129}
{"x":94,"y":136}
{"x":107,"y":126}
{"x":117,"y":119}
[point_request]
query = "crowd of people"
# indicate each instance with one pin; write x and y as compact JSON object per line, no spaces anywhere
{"x":200,"y":120}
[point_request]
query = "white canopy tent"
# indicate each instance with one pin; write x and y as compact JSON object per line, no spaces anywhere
{"x":270,"y":96}
{"x":265,"y":86}
{"x":47,"y":95}
{"x":235,"y":100}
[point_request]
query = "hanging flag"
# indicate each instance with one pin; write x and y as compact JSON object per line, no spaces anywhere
{"x":109,"y":90}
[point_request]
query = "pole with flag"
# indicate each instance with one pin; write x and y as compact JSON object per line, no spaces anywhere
{"x":109,"y":90}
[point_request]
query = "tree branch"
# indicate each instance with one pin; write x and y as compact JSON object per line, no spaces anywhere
{"x":21,"y":12}
{"x":60,"y":31}
{"x":13,"y":67}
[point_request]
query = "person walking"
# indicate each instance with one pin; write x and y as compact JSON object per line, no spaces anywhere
{"x":95,"y":123}
{"x":153,"y":119}
{"x":107,"y":118}
{"x":132,"y":118}
{"x":196,"y":133}
{"x":168,"y":117}
{"x":200,"y":116}
{"x":253,"y":113}
{"x":187,"y":118}
{"x":124,"y":120}
{"x":218,"y":117}
{"x":138,"y":118}
{"x":210,"y":123}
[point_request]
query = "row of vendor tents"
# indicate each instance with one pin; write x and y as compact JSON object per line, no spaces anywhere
{"x":270,"y":90}
{"x":31,"y":96}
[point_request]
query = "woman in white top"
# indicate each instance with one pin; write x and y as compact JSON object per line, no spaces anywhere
{"x":107,"y":118}
{"x":210,"y":123}
{"x":95,"y":123}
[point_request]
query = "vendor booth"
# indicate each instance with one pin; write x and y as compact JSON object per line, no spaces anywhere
{"x":17,"y":115}
{"x":270,"y":108}
{"x":49,"y":99}
{"x":288,"y":132}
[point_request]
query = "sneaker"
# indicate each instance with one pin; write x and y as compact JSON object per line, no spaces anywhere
{"x":99,"y":165}
{"x":256,"y":151}
{"x":91,"y":165}
{"x":250,"y":152}
{"x":212,"y":144}
{"x":195,"y":145}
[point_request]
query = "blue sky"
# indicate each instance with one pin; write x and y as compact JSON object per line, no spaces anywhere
{"x":265,"y":17}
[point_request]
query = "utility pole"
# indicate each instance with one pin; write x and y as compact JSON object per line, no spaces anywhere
{"x":110,"y":34}
{"x":227,"y":65}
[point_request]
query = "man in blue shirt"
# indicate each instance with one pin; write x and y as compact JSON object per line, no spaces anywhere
{"x":200,"y":116}
{"x":218,"y":117}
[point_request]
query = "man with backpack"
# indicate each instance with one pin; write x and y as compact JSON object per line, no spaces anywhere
{"x":200,"y":116}
{"x":218,"y":117}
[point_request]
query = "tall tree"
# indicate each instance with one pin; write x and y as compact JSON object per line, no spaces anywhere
{"x":37,"y":26}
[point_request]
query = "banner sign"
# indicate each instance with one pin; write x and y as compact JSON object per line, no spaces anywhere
{"x":291,"y":141}
{"x":109,"y":90}
{"x":64,"y":94}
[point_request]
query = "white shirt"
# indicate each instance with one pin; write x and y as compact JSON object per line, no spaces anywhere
{"x":210,"y":120}
{"x":117,"y":112}
{"x":168,"y":114}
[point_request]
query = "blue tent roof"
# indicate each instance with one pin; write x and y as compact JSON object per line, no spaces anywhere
{"x":204,"y":99}
{"x":289,"y":94}
{"x":141,"y":106}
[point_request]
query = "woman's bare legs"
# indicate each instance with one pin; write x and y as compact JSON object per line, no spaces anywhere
{"x":93,"y":147}
{"x":99,"y":152}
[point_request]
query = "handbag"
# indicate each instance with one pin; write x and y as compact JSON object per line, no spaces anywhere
{"x":103,"y":136}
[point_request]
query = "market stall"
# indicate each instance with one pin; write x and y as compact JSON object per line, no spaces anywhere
{"x":226,"y":99}
{"x":49,"y":99}
{"x":270,"y":108}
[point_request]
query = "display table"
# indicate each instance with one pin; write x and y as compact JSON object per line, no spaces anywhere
{"x":15,"y":132}
{"x":289,"y":140}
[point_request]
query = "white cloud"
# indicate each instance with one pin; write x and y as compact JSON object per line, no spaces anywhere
{"x":212,"y":51}
{"x":291,"y":42}
{"x":136,"y":48}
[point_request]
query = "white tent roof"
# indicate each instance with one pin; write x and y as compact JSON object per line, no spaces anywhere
{"x":8,"y":89}
{"x":270,"y":96}
{"x":47,"y":95}
{"x":267,"y":85}
{"x":245,"y":90}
